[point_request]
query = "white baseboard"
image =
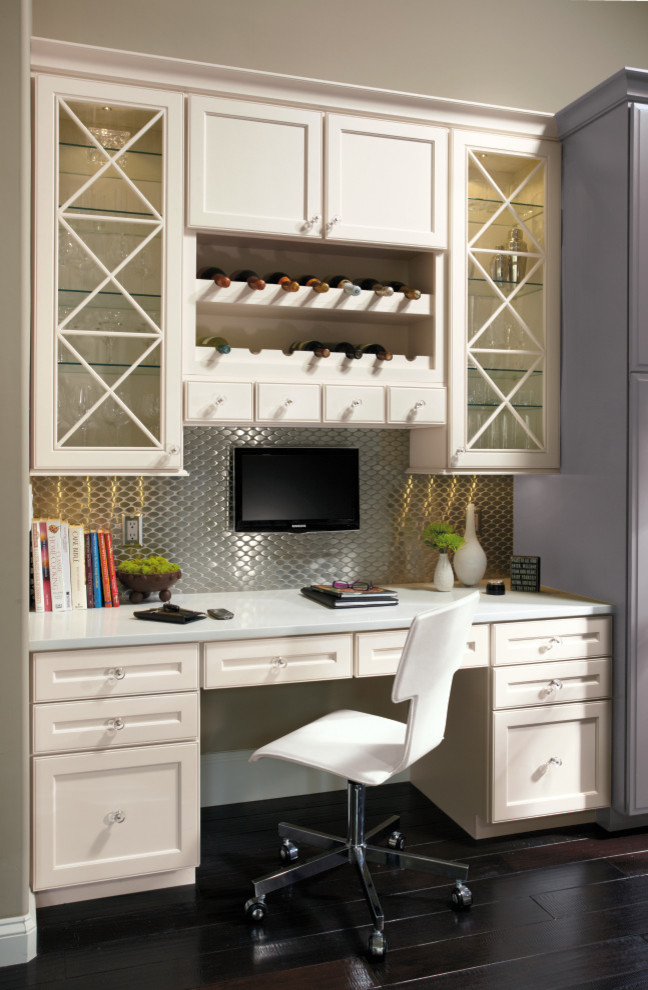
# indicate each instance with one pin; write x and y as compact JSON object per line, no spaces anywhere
{"x":229,"y":778}
{"x":18,"y":937}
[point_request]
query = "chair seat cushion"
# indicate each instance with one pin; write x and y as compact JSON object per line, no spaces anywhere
{"x":363,"y":748}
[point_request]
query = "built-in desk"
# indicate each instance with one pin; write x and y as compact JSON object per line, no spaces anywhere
{"x":115,"y":738}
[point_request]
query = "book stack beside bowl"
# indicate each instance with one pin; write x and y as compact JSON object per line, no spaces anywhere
{"x":332,"y":597}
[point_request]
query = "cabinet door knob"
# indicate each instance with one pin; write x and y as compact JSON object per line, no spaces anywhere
{"x":279,"y":662}
{"x":118,"y":673}
{"x":117,"y":724}
{"x":309,"y":224}
{"x":332,"y":222}
{"x":173,"y":448}
{"x":116,"y":817}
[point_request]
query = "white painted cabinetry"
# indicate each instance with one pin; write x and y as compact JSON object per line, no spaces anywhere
{"x":115,"y":768}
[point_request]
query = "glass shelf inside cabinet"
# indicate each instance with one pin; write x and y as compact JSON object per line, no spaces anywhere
{"x":110,"y":230}
{"x":505,"y":300}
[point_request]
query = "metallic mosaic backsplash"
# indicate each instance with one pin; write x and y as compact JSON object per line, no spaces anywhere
{"x":188,"y":519}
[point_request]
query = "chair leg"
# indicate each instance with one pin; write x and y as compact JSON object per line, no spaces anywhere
{"x":389,"y":825}
{"x":410,"y":861}
{"x":369,"y":888}
{"x":298,"y":834}
{"x":293,"y":874}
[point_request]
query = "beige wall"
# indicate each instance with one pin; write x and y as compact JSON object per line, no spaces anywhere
{"x":14,"y":334}
{"x":534,"y":54}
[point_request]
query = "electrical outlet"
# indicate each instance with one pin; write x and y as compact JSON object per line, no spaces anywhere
{"x":132,"y":527}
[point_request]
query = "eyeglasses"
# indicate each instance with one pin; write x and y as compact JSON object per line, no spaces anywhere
{"x":355,"y":586}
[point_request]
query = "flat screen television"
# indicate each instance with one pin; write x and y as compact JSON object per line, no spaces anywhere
{"x":296,"y":489}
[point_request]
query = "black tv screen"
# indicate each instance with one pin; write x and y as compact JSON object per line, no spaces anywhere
{"x":295,"y":489}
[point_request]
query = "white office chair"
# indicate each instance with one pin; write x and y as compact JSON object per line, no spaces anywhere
{"x":367,"y":750}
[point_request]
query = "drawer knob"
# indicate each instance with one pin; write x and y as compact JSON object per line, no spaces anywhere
{"x":554,"y":641}
{"x":419,"y":404}
{"x":355,"y":403}
{"x":555,"y":685}
{"x":554,"y":761}
{"x":117,"y":673}
{"x":117,"y":724}
{"x":279,"y":662}
{"x":219,"y":400}
{"x":116,"y":817}
{"x":287,"y":402}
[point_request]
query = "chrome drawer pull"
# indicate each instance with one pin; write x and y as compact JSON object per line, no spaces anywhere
{"x":116,"y":817}
{"x":118,"y":673}
{"x":555,"y":685}
{"x":117,"y":724}
{"x":555,"y":761}
{"x":554,"y":641}
{"x":279,"y":662}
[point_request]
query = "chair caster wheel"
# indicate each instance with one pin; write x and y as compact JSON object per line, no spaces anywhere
{"x":377,"y":945}
{"x":256,"y":909}
{"x":396,"y":840}
{"x":461,"y":897}
{"x":289,"y":852}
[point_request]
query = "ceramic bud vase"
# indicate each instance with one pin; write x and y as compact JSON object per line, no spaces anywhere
{"x":443,"y":574}
{"x":470,"y":559}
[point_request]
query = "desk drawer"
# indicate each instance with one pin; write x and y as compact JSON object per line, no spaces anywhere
{"x":552,"y":639}
{"x":279,"y":660}
{"x":551,"y":683}
{"x":113,"y":722}
{"x":379,"y":653}
{"x":68,"y":675}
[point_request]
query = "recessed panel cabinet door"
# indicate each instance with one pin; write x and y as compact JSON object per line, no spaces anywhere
{"x":386,"y":182}
{"x":254,"y":167}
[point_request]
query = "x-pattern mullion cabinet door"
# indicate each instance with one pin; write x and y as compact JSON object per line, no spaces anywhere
{"x":505,"y":309}
{"x":106,"y":393}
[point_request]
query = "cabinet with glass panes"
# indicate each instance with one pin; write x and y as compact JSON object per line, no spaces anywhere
{"x":108,"y":225}
{"x":504,"y":319}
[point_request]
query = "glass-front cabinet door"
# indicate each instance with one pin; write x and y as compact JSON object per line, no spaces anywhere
{"x":108,"y":228}
{"x":505,"y":317}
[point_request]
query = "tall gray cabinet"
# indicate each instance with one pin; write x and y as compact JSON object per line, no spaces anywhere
{"x":589,"y":523}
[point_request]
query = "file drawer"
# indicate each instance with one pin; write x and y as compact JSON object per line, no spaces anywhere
{"x":380,"y":652}
{"x":551,"y":683}
{"x":552,"y":639}
{"x":109,"y":723}
{"x":79,"y":674}
{"x":279,"y":660}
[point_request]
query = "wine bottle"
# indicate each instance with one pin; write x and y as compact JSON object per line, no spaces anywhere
{"x":318,"y":349}
{"x":219,"y":343}
{"x":252,"y":279}
{"x":287,"y":283}
{"x":216,"y":274}
{"x":314,"y":283}
{"x":351,"y":352}
{"x":340,"y":282}
{"x":378,"y":350}
{"x":372,"y":284}
{"x":407,"y":290}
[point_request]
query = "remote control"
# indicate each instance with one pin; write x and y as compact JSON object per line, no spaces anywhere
{"x":220,"y":613}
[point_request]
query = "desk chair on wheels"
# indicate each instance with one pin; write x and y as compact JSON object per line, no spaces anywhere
{"x":367,"y":750}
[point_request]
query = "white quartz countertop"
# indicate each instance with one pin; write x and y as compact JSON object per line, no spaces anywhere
{"x":284,"y":613}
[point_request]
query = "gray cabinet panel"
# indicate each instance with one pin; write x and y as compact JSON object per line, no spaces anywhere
{"x":638,"y":599}
{"x":638,"y":274}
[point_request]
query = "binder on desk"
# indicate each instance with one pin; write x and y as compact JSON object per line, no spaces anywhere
{"x":351,"y":598}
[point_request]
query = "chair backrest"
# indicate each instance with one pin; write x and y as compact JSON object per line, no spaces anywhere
{"x":433,"y":651}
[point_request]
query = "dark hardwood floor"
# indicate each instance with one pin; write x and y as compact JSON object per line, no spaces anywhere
{"x":565,"y":908}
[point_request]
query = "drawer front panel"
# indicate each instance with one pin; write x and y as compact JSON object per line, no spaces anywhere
{"x":353,"y":404}
{"x":277,"y":661}
{"x":288,"y":403}
{"x":416,"y":405}
{"x":552,"y":639}
{"x":550,"y":760}
{"x":113,"y":722}
{"x":549,"y":683}
{"x":68,"y":675}
{"x":214,"y":402}
{"x":99,"y":816}
{"x":380,"y":652}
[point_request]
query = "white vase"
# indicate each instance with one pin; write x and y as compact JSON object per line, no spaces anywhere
{"x":470,"y":559}
{"x":443,"y":574}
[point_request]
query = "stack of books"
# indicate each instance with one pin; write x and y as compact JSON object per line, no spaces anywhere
{"x":332,"y":597}
{"x":72,"y":568}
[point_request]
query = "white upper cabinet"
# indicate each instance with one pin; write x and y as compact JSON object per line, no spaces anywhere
{"x":267,"y":169}
{"x":107,"y":279}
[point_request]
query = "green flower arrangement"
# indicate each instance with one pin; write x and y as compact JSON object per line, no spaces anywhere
{"x":442,"y":537}
{"x":147,"y":565}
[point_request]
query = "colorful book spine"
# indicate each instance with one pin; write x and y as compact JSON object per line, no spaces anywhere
{"x":103,"y":562}
{"x":37,"y":567}
{"x":65,"y":561}
{"x":114,"y":587}
{"x":96,"y":569}
{"x":77,"y":568}
{"x":55,"y":548}
{"x":88,"y":569}
{"x":44,"y":554}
